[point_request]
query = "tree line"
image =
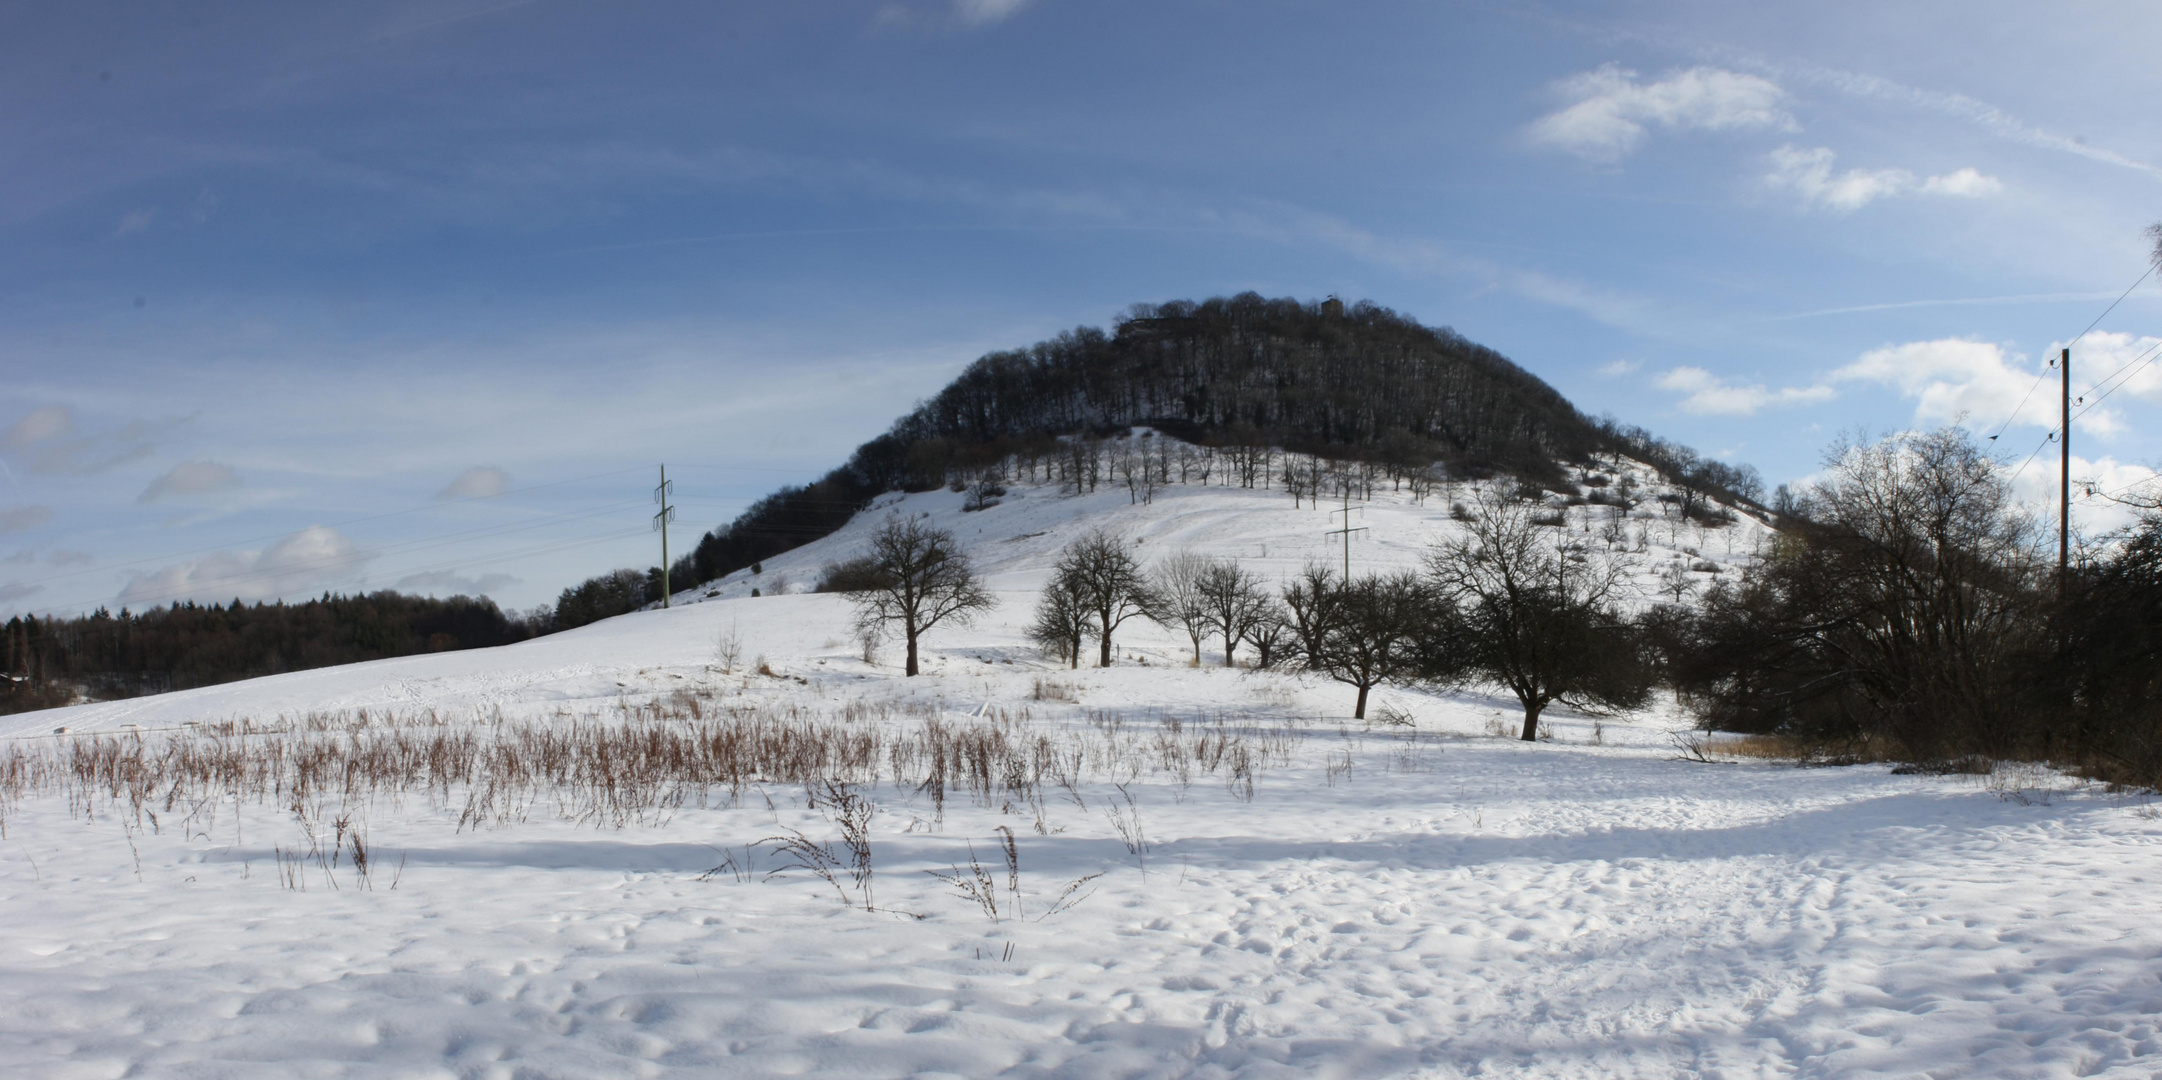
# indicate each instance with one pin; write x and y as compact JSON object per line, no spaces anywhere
{"x":1503,"y":603}
{"x":50,"y":662}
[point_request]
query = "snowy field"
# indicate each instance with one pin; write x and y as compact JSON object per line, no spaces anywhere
{"x":1436,"y":901}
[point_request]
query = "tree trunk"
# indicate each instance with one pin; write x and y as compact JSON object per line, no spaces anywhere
{"x":1230,"y":643}
{"x":1360,"y":712}
{"x":911,"y":651}
{"x":1197,"y":648}
{"x":1531,"y":723}
{"x":1105,"y":659}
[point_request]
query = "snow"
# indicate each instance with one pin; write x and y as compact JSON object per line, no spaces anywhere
{"x":1386,"y":903}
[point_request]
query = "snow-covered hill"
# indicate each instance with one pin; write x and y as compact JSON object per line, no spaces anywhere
{"x":1367,"y":902}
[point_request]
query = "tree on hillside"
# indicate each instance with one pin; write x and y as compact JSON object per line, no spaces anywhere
{"x":922,"y":579}
{"x":1182,"y":601}
{"x":1366,"y":631}
{"x":1234,"y":601}
{"x":1536,"y":618}
{"x":1110,"y":583}
{"x":1063,"y":619}
{"x":1269,"y":632}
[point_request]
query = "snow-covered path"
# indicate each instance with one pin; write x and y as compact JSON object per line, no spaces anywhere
{"x":1461,"y":906}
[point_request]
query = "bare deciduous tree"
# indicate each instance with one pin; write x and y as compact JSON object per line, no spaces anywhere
{"x":1535,"y":620}
{"x":922,"y":579}
{"x":1109,"y":582}
{"x":1232,"y":599}
{"x":1063,"y":619}
{"x":1366,"y":631}
{"x":1182,"y":601}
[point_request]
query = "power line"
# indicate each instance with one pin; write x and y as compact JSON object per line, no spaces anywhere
{"x":2046,"y":440}
{"x":2149,"y":358}
{"x":2076,"y":340}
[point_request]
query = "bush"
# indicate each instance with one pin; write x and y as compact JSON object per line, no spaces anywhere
{"x":852,"y":576}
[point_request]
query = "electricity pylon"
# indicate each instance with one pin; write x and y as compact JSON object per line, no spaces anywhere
{"x":1347,"y":530}
{"x":660,"y":522}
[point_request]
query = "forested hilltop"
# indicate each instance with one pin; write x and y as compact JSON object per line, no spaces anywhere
{"x":49,"y":662}
{"x":1358,"y":383}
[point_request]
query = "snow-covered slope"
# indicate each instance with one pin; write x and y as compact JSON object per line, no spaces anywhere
{"x":1381,"y":902}
{"x":1014,"y":544}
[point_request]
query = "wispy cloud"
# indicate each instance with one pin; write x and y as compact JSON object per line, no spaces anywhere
{"x":984,"y":12}
{"x":191,"y":478}
{"x":483,"y":482}
{"x":1962,"y":301}
{"x":448,"y":583}
{"x":301,"y":563}
{"x":1610,"y":112}
{"x":50,"y":441}
{"x":1982,"y":114}
{"x":1706,"y":394}
{"x":134,"y":221}
{"x":1810,"y":174}
{"x":17,"y":519}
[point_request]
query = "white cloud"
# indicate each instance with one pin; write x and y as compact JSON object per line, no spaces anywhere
{"x":16,"y":519}
{"x":1615,"y":369}
{"x":1964,"y":183}
{"x":1809,"y":173}
{"x":52,"y":443}
{"x":446,"y":583}
{"x":1707,"y":394}
{"x":191,"y":478}
{"x":1611,"y":111}
{"x":305,"y":562}
{"x":1951,"y":378}
{"x":2093,"y":512}
{"x":476,"y":483}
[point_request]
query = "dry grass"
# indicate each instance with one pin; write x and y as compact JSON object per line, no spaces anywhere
{"x":636,"y":764}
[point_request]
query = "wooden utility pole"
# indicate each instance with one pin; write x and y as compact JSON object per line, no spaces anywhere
{"x":660,"y":522}
{"x":1347,"y":530}
{"x":2064,"y":475}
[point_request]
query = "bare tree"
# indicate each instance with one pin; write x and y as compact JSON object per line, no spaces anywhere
{"x":1134,"y":468}
{"x":1900,"y":607}
{"x":922,"y":579}
{"x":1109,"y":582}
{"x":1269,"y":632}
{"x":1232,"y":599}
{"x":1535,"y":620}
{"x":1063,"y":619}
{"x":1367,"y":631}
{"x":1182,"y":601}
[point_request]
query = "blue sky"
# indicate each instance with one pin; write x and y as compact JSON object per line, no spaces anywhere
{"x":296,"y":298}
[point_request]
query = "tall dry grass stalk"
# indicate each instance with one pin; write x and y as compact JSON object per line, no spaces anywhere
{"x":637,"y":763}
